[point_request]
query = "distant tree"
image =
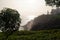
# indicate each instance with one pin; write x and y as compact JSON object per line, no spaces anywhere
{"x":55,"y":11}
{"x":9,"y":20}
{"x":40,"y":22}
{"x":53,"y":2}
{"x":45,"y":22}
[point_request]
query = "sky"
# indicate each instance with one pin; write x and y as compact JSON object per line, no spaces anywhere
{"x":28,"y":9}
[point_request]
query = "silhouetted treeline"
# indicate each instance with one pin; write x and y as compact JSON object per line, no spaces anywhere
{"x":51,"y":21}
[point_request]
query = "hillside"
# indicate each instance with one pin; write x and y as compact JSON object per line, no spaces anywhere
{"x":34,"y":35}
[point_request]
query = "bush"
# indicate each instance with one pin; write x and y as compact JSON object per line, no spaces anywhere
{"x":34,"y":35}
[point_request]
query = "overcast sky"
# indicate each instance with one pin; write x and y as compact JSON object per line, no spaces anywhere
{"x":28,"y":9}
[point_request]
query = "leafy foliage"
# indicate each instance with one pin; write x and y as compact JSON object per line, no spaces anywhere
{"x":9,"y":20}
{"x":34,"y":35}
{"x":53,"y":2}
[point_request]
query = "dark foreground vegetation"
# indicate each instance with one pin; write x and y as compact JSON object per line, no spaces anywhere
{"x":33,"y":35}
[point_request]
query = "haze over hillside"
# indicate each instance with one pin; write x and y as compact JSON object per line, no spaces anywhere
{"x":26,"y":8}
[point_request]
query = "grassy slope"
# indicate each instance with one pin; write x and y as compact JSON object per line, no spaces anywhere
{"x":35,"y":35}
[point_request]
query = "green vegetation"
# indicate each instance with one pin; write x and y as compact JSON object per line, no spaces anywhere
{"x":9,"y":21}
{"x":53,"y":2}
{"x":34,"y":35}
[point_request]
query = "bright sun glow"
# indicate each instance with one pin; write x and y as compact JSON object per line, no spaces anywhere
{"x":31,"y":1}
{"x":30,"y":4}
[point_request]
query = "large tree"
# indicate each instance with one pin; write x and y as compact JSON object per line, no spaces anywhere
{"x":9,"y":20}
{"x":53,"y":2}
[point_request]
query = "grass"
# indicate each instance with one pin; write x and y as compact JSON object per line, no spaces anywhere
{"x":34,"y":35}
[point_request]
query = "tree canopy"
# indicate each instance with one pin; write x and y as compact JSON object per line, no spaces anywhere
{"x":9,"y":20}
{"x":53,"y":2}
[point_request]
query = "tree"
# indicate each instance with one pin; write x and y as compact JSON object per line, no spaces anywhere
{"x":40,"y":22}
{"x":9,"y":20}
{"x":55,"y":11}
{"x":53,"y":2}
{"x":45,"y":22}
